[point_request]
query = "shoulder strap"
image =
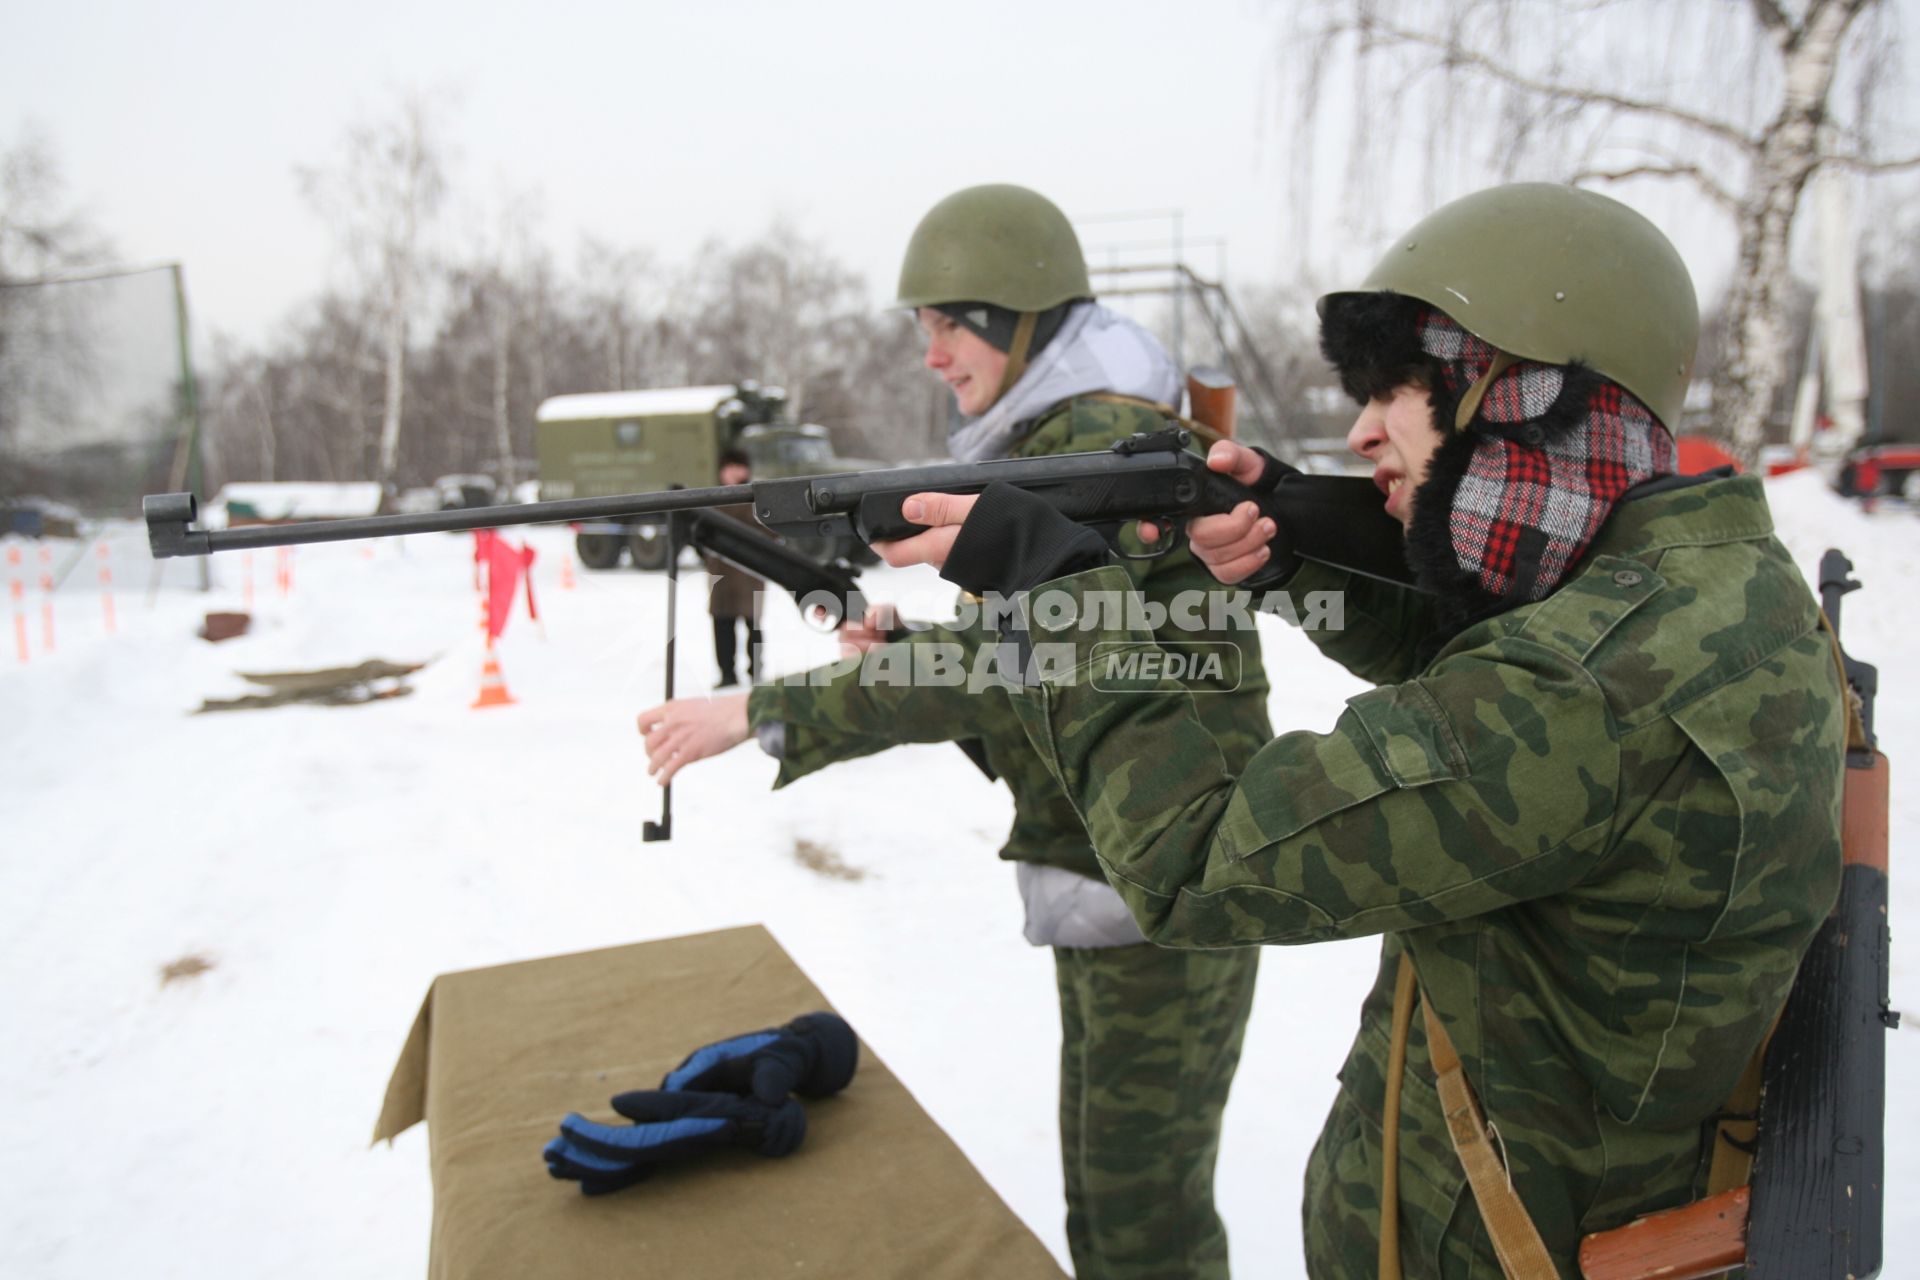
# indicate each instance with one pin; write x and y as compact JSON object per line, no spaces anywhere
{"x":1856,"y":729}
{"x":1516,"y":1241}
{"x":1737,"y":1125}
{"x":1205,"y":434}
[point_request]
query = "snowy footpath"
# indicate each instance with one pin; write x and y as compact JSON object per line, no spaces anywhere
{"x":215,"y":930}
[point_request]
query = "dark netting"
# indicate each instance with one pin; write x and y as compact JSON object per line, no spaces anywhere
{"x":96,"y":402}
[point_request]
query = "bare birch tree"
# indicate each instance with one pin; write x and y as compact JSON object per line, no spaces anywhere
{"x":46,"y":355}
{"x":765,"y":310}
{"x":618,"y":291}
{"x":505,"y":288}
{"x":382,"y":196}
{"x":1740,"y":100}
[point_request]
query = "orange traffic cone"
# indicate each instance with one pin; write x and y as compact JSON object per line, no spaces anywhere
{"x":493,"y":686}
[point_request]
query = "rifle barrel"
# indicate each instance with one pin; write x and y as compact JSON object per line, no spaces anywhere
{"x":169,"y":516}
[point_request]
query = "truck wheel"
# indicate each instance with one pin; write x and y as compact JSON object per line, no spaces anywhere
{"x":648,"y":546}
{"x":597,"y":550}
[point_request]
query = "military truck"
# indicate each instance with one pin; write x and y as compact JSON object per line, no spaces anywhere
{"x":605,"y":443}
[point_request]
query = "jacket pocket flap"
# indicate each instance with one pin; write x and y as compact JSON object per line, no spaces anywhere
{"x":1390,"y":738}
{"x":1412,"y":732}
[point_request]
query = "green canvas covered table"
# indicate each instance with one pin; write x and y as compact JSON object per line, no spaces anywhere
{"x":498,"y":1055}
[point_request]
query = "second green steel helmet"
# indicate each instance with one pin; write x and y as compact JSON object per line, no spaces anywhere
{"x":997,"y":243}
{"x":1556,"y":274}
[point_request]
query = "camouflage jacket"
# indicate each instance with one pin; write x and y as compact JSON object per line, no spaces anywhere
{"x":927,"y":688}
{"x":1605,"y":824}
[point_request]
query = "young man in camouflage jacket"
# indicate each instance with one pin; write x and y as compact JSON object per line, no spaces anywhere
{"x":1594,"y":798}
{"x":1150,"y":1037}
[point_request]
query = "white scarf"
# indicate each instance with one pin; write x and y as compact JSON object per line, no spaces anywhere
{"x":1097,"y":349}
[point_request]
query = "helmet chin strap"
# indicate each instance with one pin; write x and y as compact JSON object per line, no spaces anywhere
{"x":1470,"y":402}
{"x":1017,"y":352}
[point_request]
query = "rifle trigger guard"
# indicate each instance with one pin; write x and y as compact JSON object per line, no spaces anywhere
{"x":1170,"y":530}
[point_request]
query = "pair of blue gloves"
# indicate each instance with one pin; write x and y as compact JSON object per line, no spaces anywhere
{"x":733,"y":1093}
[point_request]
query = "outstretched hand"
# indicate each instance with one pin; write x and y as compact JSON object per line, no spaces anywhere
{"x":689,"y":729}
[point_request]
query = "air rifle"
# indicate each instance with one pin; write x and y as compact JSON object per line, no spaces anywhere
{"x":825,"y":590}
{"x":1333,"y":520}
{"x":1151,"y":477}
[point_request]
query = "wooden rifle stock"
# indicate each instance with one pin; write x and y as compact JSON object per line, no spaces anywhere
{"x":1699,"y":1239}
{"x":1212,"y":399}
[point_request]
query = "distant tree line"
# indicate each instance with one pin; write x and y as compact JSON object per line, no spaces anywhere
{"x":502,"y":337}
{"x":418,"y":359}
{"x":420,"y":362}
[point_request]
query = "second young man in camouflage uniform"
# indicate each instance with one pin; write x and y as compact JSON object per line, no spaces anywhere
{"x":1592,"y":806}
{"x":1150,"y":1038}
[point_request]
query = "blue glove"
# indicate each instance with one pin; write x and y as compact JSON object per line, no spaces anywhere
{"x":668,"y":1126}
{"x":813,"y":1055}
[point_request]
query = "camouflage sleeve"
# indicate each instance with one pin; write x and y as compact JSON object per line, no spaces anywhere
{"x":921,"y":689}
{"x":1379,"y":624}
{"x":1488,"y":780}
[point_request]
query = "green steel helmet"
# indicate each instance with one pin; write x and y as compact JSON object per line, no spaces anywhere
{"x":998,"y":243}
{"x":1556,"y":274}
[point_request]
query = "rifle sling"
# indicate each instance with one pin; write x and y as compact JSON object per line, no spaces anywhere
{"x":1521,"y":1252}
{"x":1516,"y":1241}
{"x":1390,"y":1128}
{"x":1738,"y":1124}
{"x":1205,"y":434}
{"x":1856,"y":727}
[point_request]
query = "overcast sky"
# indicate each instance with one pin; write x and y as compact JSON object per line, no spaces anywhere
{"x":180,"y":126}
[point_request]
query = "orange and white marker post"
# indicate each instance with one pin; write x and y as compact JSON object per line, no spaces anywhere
{"x":493,"y":685}
{"x":18,"y":590}
{"x":246,"y":581}
{"x":46,"y":597}
{"x":283,"y":569}
{"x":105,"y":556}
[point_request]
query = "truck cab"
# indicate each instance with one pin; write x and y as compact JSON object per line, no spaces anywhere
{"x":606,"y":443}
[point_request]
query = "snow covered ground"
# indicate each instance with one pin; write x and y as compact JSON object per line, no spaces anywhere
{"x":328,"y":862}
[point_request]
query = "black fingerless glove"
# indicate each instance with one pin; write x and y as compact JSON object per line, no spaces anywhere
{"x":1282,"y":563}
{"x":1014,"y":540}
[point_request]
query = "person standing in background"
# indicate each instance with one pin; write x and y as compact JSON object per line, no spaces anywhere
{"x":735,"y":602}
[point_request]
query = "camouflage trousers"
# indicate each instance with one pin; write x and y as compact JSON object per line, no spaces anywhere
{"x":1150,"y":1038}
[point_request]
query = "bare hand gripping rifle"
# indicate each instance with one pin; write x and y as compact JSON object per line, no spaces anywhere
{"x":1338,"y":521}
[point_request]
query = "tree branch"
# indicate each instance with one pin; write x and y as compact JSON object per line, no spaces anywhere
{"x":1713,"y":190}
{"x":1862,"y":164}
{"x":1561,"y":93}
{"x":1770,"y":15}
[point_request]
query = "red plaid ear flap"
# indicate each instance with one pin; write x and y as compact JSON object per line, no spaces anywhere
{"x":1511,"y":501}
